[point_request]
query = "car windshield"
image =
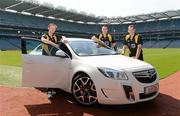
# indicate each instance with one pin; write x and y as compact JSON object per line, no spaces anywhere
{"x":89,"y":48}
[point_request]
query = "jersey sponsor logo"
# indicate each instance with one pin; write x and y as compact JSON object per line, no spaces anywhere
{"x":133,"y":46}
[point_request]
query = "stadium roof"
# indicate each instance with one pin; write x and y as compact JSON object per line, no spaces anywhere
{"x":33,"y":7}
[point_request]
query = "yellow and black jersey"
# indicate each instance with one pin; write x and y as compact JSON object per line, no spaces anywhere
{"x":49,"y":50}
{"x":108,"y":39}
{"x":133,"y":43}
{"x":52,"y":38}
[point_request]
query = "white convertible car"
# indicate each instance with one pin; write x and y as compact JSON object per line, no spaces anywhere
{"x":92,"y":74}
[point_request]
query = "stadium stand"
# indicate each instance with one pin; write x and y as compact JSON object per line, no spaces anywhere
{"x":16,"y":19}
{"x":10,"y":43}
{"x":159,"y":30}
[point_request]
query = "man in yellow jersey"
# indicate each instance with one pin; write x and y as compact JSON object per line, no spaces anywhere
{"x":50,"y":39}
{"x":105,"y":37}
{"x":50,"y":47}
{"x":134,"y":43}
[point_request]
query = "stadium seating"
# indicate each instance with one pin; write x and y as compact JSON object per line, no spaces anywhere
{"x":17,"y":19}
{"x":15,"y":25}
{"x":164,"y":25}
{"x":10,"y":44}
{"x":174,"y":44}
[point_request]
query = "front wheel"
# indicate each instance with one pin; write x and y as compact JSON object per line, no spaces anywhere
{"x":84,"y":91}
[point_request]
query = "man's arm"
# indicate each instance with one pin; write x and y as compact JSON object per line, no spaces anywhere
{"x":139,"y":48}
{"x":99,"y":42}
{"x":49,"y":42}
{"x":95,"y":39}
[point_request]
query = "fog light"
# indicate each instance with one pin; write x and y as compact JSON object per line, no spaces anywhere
{"x":131,"y":96}
{"x":129,"y":93}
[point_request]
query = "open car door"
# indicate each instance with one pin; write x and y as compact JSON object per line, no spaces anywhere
{"x":43,"y":71}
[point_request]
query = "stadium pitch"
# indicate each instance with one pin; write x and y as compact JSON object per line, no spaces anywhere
{"x":166,"y":62}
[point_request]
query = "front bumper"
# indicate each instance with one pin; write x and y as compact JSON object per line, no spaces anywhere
{"x":111,"y":91}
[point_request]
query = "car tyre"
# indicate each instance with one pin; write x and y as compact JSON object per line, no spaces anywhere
{"x":84,"y":91}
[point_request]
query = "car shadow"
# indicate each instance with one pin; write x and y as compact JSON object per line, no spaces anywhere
{"x":63,"y":104}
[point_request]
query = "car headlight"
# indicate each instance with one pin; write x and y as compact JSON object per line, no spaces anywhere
{"x":113,"y":74}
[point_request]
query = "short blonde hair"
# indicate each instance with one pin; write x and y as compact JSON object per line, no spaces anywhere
{"x":52,"y":24}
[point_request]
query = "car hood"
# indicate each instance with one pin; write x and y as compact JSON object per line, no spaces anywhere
{"x":114,"y":61}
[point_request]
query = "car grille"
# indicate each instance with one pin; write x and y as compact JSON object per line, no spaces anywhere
{"x":146,"y":76}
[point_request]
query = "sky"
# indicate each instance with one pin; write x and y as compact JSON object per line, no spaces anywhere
{"x":111,"y":8}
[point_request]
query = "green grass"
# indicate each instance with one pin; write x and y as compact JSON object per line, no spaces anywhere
{"x":10,"y":68}
{"x":11,"y":58}
{"x":166,"y":61}
{"x":10,"y":75}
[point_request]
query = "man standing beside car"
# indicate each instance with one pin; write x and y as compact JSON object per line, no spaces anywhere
{"x":50,"y":38}
{"x":105,"y":37}
{"x":134,"y":43}
{"x":50,"y":46}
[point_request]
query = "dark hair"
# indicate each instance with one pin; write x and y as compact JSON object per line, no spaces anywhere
{"x":105,"y":26}
{"x":132,"y":25}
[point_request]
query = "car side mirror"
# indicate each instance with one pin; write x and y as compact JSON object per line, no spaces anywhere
{"x":60,"y":53}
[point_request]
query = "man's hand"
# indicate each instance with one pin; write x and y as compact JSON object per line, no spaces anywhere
{"x":134,"y":57}
{"x":64,"y":39}
{"x":56,"y":45}
{"x":94,"y":39}
{"x":114,"y":44}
